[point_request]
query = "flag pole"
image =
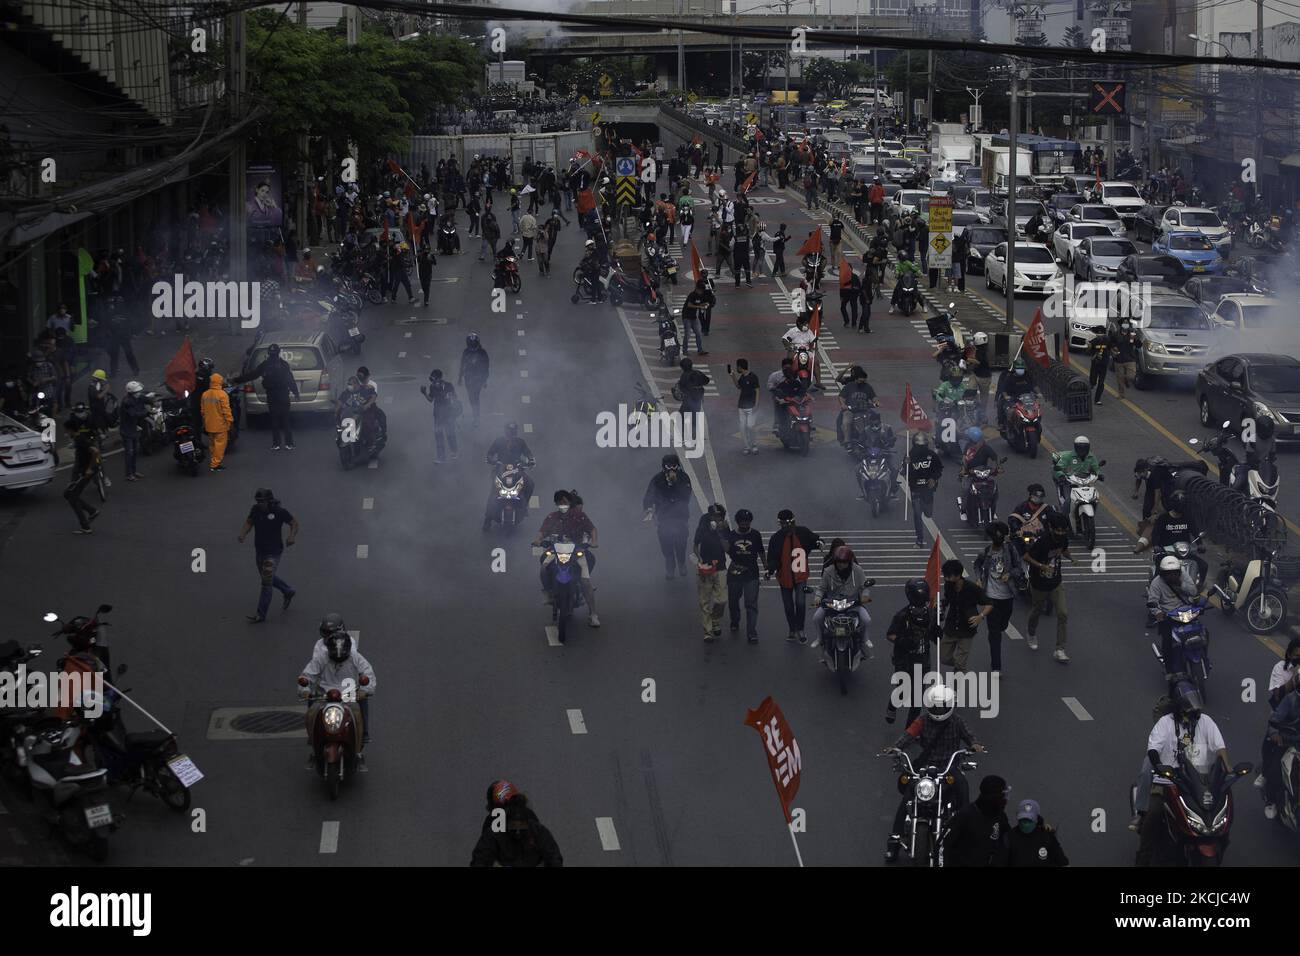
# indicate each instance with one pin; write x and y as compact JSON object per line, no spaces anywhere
{"x":797,"y":855}
{"x":907,"y":474}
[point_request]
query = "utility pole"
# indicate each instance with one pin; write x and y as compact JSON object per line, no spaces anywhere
{"x":681,"y":48}
{"x":875,"y":100}
{"x":1259,"y":89}
{"x":237,"y":211}
{"x":1013,"y":167}
{"x":907,"y":101}
{"x":354,"y":24}
{"x":304,"y":165}
{"x":929,"y":93}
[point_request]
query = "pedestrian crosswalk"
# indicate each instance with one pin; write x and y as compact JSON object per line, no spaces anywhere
{"x":889,"y":555}
{"x":1111,"y":562}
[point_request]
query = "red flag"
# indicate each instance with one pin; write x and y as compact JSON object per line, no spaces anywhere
{"x":913,"y":415}
{"x":846,"y":273}
{"x":414,"y":231}
{"x":586,"y":202}
{"x":697,"y":265}
{"x":815,"y":323}
{"x":782,"y":751}
{"x":179,"y":374}
{"x":934,"y":573}
{"x":749,"y":182}
{"x":393,"y":167}
{"x":1035,"y":341}
{"x":812,"y":244}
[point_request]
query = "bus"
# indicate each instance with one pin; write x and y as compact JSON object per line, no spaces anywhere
{"x":1051,"y":159}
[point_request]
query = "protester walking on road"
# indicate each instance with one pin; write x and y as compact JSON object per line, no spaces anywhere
{"x":279,"y":384}
{"x":999,"y":565}
{"x":711,"y":560}
{"x":667,"y":502}
{"x":745,"y":552}
{"x":1125,"y":348}
{"x":965,"y":606}
{"x":442,"y":395}
{"x":747,"y":382}
{"x":266,"y":519}
{"x":1045,"y":587}
{"x":1033,"y":841}
{"x":1100,"y":351}
{"x":85,"y":464}
{"x":787,"y":557}
{"x":474,"y":367}
{"x":424,"y":268}
{"x":217,"y":420}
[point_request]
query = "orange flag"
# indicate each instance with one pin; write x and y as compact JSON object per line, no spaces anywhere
{"x":697,"y":266}
{"x":815,"y":323}
{"x":934,"y":574}
{"x":812,"y":244}
{"x":1035,"y":341}
{"x":846,"y":273}
{"x":749,"y":182}
{"x":913,"y":415}
{"x":586,"y":202}
{"x":414,"y":231}
{"x":179,"y":374}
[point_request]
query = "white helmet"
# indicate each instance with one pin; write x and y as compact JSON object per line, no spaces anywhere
{"x":940,"y":701}
{"x":134,"y":388}
{"x":1170,"y":563}
{"x":981,"y":338}
{"x":722,"y":194}
{"x":590,"y":244}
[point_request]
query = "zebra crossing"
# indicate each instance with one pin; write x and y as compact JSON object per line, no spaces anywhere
{"x":1113,"y":561}
{"x":646,"y":331}
{"x":888,"y":555}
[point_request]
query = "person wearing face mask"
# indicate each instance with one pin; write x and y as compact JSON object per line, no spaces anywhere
{"x":1283,"y":723}
{"x":1282,"y":678}
{"x":998,"y":566}
{"x":1012,"y":384}
{"x":745,"y":553}
{"x":1045,"y":583}
{"x":979,"y":834}
{"x":667,"y":502}
{"x":1033,"y":842}
{"x":1124,"y":348}
{"x":1173,"y":526}
{"x":710,"y":553}
{"x":965,"y":605}
{"x":843,"y":578}
{"x":1171,"y":588}
{"x":924,"y":468}
{"x":788,"y":553}
{"x":568,"y":520}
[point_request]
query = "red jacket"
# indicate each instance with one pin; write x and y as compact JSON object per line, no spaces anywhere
{"x":876,"y":194}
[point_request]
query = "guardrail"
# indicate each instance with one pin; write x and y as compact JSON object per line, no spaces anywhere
{"x":1234,"y":520}
{"x":1066,"y":389}
{"x":704,"y":129}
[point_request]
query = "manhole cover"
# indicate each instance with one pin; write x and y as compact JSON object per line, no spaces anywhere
{"x":420,"y":320}
{"x":266,"y":722}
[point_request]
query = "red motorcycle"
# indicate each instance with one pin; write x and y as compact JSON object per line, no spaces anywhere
{"x":1198,"y":811}
{"x":334,"y":729}
{"x":506,"y":275}
{"x":796,"y":424}
{"x":1024,"y":424}
{"x":642,"y":290}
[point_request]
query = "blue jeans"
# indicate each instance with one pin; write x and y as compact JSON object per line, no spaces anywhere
{"x":130,"y":448}
{"x":264,"y":597}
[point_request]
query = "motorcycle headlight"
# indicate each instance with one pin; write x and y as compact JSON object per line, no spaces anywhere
{"x":926,"y":789}
{"x":840,"y":604}
{"x":1193,"y":819}
{"x":511,"y":492}
{"x":1184,"y":617}
{"x":333,"y":718}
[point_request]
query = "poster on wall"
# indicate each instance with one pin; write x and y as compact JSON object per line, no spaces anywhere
{"x":263,"y":197}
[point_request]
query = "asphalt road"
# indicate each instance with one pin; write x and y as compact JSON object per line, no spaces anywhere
{"x":630,"y":739}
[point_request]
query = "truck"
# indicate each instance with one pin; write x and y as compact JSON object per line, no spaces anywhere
{"x":996,"y":164}
{"x":950,"y":144}
{"x":1053,"y":158}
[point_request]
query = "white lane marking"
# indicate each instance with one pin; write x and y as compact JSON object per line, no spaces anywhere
{"x":519,"y":315}
{"x":356,"y":639}
{"x":608,"y":835}
{"x":406,"y":335}
{"x":576,"y":723}
{"x":523,"y":351}
{"x":519,"y":302}
{"x":373,"y":464}
{"x":528,"y":429}
{"x":363,"y":551}
{"x":527,"y":400}
{"x":519,"y":332}
{"x":1076,"y":708}
{"x":401,"y":355}
{"x":329,"y":836}
{"x":367,"y":504}
{"x":553,"y":635}
{"x":523,"y":373}
{"x":534,"y":503}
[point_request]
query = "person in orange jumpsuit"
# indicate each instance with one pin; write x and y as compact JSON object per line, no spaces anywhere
{"x":217,"y":419}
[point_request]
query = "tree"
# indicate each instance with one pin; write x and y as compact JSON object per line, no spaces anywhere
{"x":832,"y":77}
{"x":1074,"y":38}
{"x":581,"y":77}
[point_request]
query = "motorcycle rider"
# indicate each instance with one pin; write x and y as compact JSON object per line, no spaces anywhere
{"x":1073,"y":464}
{"x":569,"y":520}
{"x":523,"y":841}
{"x":1031,"y":513}
{"x":590,"y":269}
{"x":790,"y":385}
{"x":842,"y":578}
{"x":1187,"y":730}
{"x":799,"y":336}
{"x":334,"y":665}
{"x":1012,"y":384}
{"x":940,"y":732}
{"x":904,"y":268}
{"x":978,"y":454}
{"x":910,"y":634}
{"x":508,"y":451}
{"x":854,"y":390}
{"x":1283,"y":730}
{"x":1170,"y":588}
{"x":362,"y":399}
{"x":924,"y":468}
{"x":667,"y":502}
{"x":506,"y":253}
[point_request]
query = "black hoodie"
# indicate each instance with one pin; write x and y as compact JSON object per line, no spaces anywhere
{"x":978,"y":835}
{"x":525,"y":843}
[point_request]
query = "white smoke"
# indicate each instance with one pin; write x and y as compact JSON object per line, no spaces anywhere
{"x":518,"y":31}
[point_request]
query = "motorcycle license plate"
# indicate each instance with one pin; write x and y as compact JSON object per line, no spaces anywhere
{"x":187,"y":447}
{"x":184,"y":770}
{"x":99,"y":816}
{"x":354,"y":332}
{"x":668,"y":342}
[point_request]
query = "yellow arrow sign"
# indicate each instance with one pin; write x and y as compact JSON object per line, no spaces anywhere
{"x":691,"y":97}
{"x":751,"y":119}
{"x":595,"y":118}
{"x":625,"y":191}
{"x":582,"y":100}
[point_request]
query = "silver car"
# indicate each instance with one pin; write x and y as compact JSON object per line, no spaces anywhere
{"x":26,"y":459}
{"x":1098,"y":257}
{"x":1097,"y":213}
{"x":317,"y":368}
{"x":1175,"y":336}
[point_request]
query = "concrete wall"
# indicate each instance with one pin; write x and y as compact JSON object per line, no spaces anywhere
{"x":556,"y":148}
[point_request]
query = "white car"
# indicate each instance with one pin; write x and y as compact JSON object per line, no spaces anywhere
{"x":909,"y":201}
{"x":1068,"y":235}
{"x":26,"y":459}
{"x":1124,"y":198}
{"x":1203,"y":220}
{"x":1087,"y":311}
{"x":1096,"y":213}
{"x":1037,"y":269}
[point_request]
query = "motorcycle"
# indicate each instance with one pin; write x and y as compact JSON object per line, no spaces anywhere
{"x":153,"y":426}
{"x":1256,"y":588}
{"x":184,"y":436}
{"x":1289,"y":807}
{"x":802,"y":356}
{"x":1256,"y":477}
{"x":661,"y":265}
{"x":358,"y":437}
{"x":814,"y":268}
{"x":505,"y":274}
{"x":62,"y":772}
{"x":1182,"y":550}
{"x":511,"y":507}
{"x":642,"y":290}
{"x":593,"y":291}
{"x":875,"y":474}
{"x":843,"y":638}
{"x":1024,"y":423}
{"x":909,"y":295}
{"x":448,"y":239}
{"x":334,"y":730}
{"x":796,"y":424}
{"x":929,"y":790}
{"x":14,"y":721}
{"x":669,"y":345}
{"x":565,"y":591}
{"x":1082,"y":506}
{"x":1190,"y":648}
{"x":981,"y":507}
{"x":1197,"y":810}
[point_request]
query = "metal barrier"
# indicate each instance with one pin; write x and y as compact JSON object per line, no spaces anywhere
{"x":704,"y":129}
{"x":1234,"y":520}
{"x":851,"y":225}
{"x":1066,"y":389}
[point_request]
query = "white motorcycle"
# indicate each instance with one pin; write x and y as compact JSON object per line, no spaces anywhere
{"x":1082,"y":505}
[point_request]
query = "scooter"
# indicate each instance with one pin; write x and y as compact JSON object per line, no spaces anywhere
{"x":334,"y":729}
{"x":661,"y":265}
{"x":565,"y":589}
{"x":1256,"y":476}
{"x":511,"y":507}
{"x":669,"y":345}
{"x":356,"y":440}
{"x":505,"y":275}
{"x":594,"y":291}
{"x":843,"y":639}
{"x":1024,"y":418}
{"x":1256,"y":589}
{"x":1193,"y":567}
{"x":62,"y":772}
{"x":153,"y":426}
{"x":1082,"y":506}
{"x":448,"y":239}
{"x":796,"y":424}
{"x":1190,"y":648}
{"x":981,"y":507}
{"x":185,"y":448}
{"x":908,"y":295}
{"x":150,"y":760}
{"x":1197,"y":810}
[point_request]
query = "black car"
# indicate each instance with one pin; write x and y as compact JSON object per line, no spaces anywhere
{"x":1232,"y":388}
{"x":1158,"y":270}
{"x":1208,"y":290}
{"x":1058,"y":207}
{"x":982,"y":239}
{"x":1147,"y":223}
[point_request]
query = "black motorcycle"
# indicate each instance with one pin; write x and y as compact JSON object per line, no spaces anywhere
{"x":149,"y":760}
{"x":875,"y":472}
{"x":186,"y":448}
{"x":670,"y":346}
{"x":358,"y":438}
{"x":563,"y":581}
{"x":931,"y":792}
{"x":909,"y":295}
{"x":842,"y":636}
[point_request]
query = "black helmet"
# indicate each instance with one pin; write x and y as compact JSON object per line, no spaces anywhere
{"x":997,"y":529}
{"x":1178,"y":501}
{"x":471,"y":340}
{"x":1058,"y":523}
{"x":340,"y":646}
{"x":744,"y":516}
{"x":435,"y":375}
{"x":1264,"y":427}
{"x":331,"y":624}
{"x":671,"y":462}
{"x":1037,"y":493}
{"x":512,"y":430}
{"x":263,"y":494}
{"x":918,"y":592}
{"x":206,"y":366}
{"x":1187,"y":700}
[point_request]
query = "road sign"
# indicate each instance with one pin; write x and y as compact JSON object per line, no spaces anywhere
{"x":582,"y":100}
{"x":940,"y":222}
{"x":1106,"y":98}
{"x":751,"y":119}
{"x":595,"y":118}
{"x":625,"y":190}
{"x":691,"y":97}
{"x":606,"y":84}
{"x":625,"y":166}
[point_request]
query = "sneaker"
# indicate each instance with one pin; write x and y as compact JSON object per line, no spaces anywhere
{"x":289,"y":445}
{"x":669,"y":576}
{"x":817,"y":642}
{"x":701,"y":353}
{"x":137,"y":476}
{"x":1136,"y":823}
{"x":1060,"y":655}
{"x":218,"y":468}
{"x":1032,"y":641}
{"x":1260,"y":782}
{"x":455,"y":455}
{"x":1098,"y":401}
{"x":753,"y":639}
{"x":288,"y":599}
{"x":803,"y":638}
{"x":130,"y":477}
{"x":275,"y":448}
{"x":1270,"y":812}
{"x":85,"y":531}
{"x":593,"y":621}
{"x":256,"y":618}
{"x":708,"y":637}
{"x":790,"y":638}
{"x":891,"y":310}
{"x":717,"y":630}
